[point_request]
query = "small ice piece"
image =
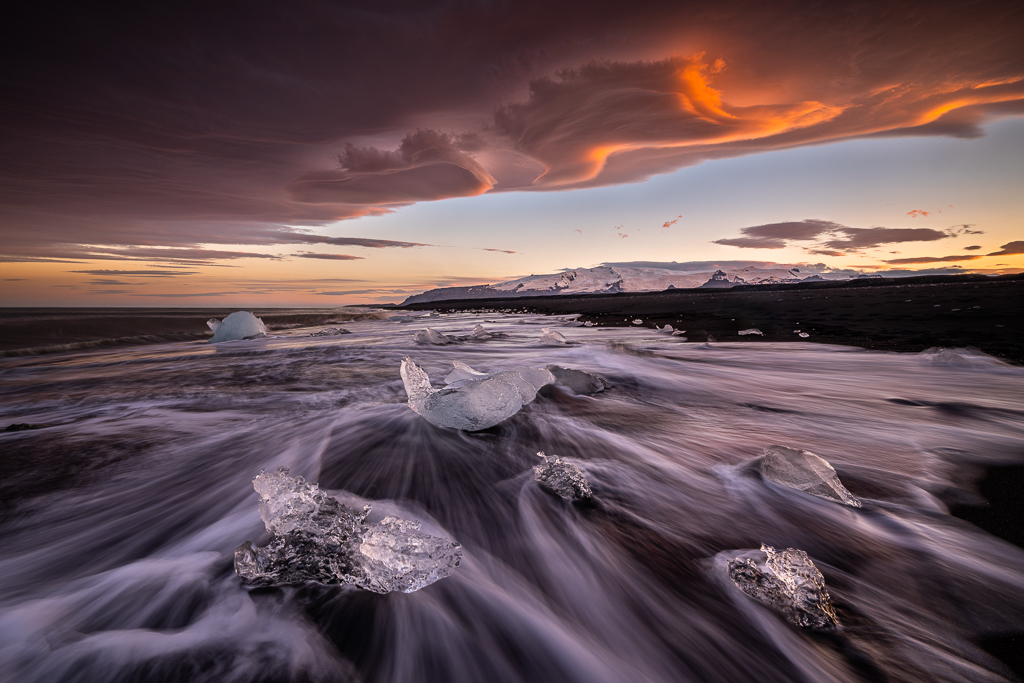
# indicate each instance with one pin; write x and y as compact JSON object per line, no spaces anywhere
{"x":804,"y":335}
{"x":552,"y":337}
{"x":479,"y":333}
{"x":238,"y":325}
{"x":330,"y":332}
{"x":431,"y":336}
{"x":667,"y":329}
{"x":563,"y":479}
{"x":578,"y":381}
{"x":590,"y":324}
{"x":472,"y":400}
{"x":805,"y":471}
{"x":752,"y":330}
{"x":789,"y":583}
{"x":317,"y":539}
{"x":679,"y":333}
{"x":638,"y":321}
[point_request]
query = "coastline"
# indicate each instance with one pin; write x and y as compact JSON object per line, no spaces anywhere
{"x":944,"y":311}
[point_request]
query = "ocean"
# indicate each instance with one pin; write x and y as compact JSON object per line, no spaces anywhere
{"x":122,"y":510}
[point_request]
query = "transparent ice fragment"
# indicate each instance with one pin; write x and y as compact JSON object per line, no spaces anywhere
{"x":804,"y":335}
{"x":397,"y":556}
{"x":472,"y":400}
{"x":317,"y":539}
{"x":431,"y":336}
{"x":667,"y":329}
{"x":805,"y":471}
{"x":578,"y":381}
{"x":479,"y":333}
{"x":588,"y":324}
{"x":789,"y":583}
{"x":752,"y":330}
{"x":330,"y":332}
{"x":638,"y":321}
{"x":238,"y":325}
{"x":563,"y":479}
{"x":552,"y":337}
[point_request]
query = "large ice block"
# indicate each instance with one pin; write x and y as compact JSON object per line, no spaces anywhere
{"x":578,"y":381}
{"x":789,"y":583}
{"x":431,"y":336}
{"x":317,"y":539}
{"x":472,"y":400}
{"x":805,"y":471}
{"x":238,"y":325}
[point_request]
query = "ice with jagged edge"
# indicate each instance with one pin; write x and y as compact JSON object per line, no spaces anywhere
{"x":550,"y":337}
{"x":472,"y":400}
{"x":330,"y":332}
{"x":481,"y":334}
{"x":563,"y":479}
{"x":578,"y":381}
{"x":788,"y":582}
{"x":752,"y":330}
{"x":238,"y":325}
{"x":432,"y":336}
{"x":804,"y":471}
{"x":317,"y":539}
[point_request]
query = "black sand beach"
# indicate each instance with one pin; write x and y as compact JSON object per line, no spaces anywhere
{"x":888,"y":314}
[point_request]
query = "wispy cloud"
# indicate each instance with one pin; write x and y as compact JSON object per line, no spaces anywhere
{"x":932,"y":259}
{"x":1010,"y":249}
{"x":328,"y":257}
{"x":832,"y":239}
{"x":139,"y":273}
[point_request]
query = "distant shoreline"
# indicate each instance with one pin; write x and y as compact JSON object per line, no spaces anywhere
{"x":944,"y":310}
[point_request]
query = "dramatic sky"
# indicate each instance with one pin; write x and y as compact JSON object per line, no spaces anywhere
{"x":323,"y":153}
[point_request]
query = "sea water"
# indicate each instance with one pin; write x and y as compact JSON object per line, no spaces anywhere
{"x":122,"y":513}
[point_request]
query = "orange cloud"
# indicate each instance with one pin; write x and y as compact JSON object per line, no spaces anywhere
{"x":918,"y":212}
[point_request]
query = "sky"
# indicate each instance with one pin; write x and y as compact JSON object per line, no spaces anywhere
{"x":318,"y":153}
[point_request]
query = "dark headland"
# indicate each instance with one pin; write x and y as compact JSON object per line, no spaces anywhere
{"x":890,"y":314}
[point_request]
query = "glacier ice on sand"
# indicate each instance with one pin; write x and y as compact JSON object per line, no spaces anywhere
{"x":432,"y":336}
{"x":550,"y":337}
{"x":788,"y":582}
{"x":562,"y":478}
{"x":317,"y":539}
{"x":804,"y":471}
{"x":472,"y":400}
{"x":238,"y":325}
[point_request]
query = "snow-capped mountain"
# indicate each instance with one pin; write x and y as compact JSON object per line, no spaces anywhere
{"x":625,"y":278}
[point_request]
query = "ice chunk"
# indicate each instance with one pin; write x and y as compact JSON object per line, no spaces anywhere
{"x":789,"y":583}
{"x":330,"y":332}
{"x":552,"y":337}
{"x":472,"y":400}
{"x":479,"y":333}
{"x":638,"y":321}
{"x":667,"y":329}
{"x":238,"y":325}
{"x":804,"y":335}
{"x":578,"y":381}
{"x":752,"y":330}
{"x":590,"y":324}
{"x":805,"y":471}
{"x":563,"y":479}
{"x":431,"y":336}
{"x":317,"y":539}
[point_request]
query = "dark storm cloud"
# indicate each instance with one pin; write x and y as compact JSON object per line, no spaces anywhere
{"x":931,"y":259}
{"x":833,"y":239}
{"x":1010,"y":249}
{"x":184,"y":124}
